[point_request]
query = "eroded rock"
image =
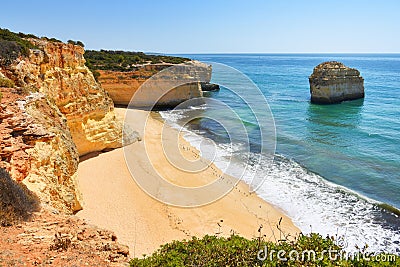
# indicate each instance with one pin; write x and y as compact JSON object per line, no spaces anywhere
{"x":44,"y":133}
{"x":36,"y":148}
{"x":121,"y":86}
{"x":58,"y":70}
{"x":333,"y":82}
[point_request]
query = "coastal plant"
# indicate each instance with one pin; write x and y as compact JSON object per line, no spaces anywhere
{"x":125,"y":60}
{"x":12,"y":45}
{"x":60,"y":242}
{"x":239,"y":251}
{"x":76,"y":43}
{"x":17,"y":203}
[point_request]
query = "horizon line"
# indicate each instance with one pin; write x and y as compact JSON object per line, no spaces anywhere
{"x":208,"y":53}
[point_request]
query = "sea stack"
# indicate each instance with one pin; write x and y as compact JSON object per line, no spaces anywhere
{"x":333,"y":82}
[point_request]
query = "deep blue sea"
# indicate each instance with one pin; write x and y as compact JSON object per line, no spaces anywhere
{"x":337,"y":167}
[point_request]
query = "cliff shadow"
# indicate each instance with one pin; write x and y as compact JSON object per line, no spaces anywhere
{"x":90,"y":155}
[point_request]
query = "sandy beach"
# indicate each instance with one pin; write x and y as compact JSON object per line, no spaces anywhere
{"x":113,"y":200}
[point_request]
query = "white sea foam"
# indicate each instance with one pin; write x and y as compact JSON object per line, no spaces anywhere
{"x":314,"y":204}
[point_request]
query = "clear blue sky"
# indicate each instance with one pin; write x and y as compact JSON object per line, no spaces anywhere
{"x":213,"y":26}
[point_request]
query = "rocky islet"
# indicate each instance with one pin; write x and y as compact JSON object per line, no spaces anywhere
{"x":333,"y":82}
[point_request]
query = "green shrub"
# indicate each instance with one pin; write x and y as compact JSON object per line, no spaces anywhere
{"x":124,"y":60}
{"x":29,"y":35}
{"x":11,"y":39}
{"x":239,"y":251}
{"x":17,"y":203}
{"x":4,"y":82}
{"x":80,"y":43}
{"x":76,"y":43}
{"x":54,"y":40}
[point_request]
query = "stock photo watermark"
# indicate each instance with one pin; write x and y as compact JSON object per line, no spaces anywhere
{"x":314,"y":256}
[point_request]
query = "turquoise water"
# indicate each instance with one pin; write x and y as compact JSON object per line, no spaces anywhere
{"x":335,"y":163}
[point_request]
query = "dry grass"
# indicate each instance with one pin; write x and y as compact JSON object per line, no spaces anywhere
{"x":4,"y":82}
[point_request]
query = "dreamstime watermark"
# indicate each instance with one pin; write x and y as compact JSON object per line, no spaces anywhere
{"x":179,"y":86}
{"x":330,"y":254}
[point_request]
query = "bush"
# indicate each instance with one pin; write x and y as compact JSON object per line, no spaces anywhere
{"x":9,"y":51}
{"x":76,"y":43}
{"x":54,"y":40}
{"x":239,"y":251}
{"x":124,"y":60}
{"x":80,"y":43}
{"x":4,"y":82}
{"x":17,"y":203}
{"x":12,"y":43}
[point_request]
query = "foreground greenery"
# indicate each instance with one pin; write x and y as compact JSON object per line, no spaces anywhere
{"x":125,"y":60}
{"x":239,"y":251}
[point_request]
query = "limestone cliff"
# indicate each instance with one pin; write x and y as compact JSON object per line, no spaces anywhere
{"x":68,"y":115}
{"x":333,"y":82}
{"x":58,"y":70}
{"x":36,"y":148}
{"x":121,"y":86}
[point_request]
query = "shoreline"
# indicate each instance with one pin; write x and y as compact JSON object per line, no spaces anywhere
{"x":292,"y":180}
{"x":113,"y":200}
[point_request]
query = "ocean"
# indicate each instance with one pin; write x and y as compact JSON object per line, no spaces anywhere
{"x":336,"y":169}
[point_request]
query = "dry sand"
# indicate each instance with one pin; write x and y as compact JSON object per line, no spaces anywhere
{"x":113,"y":200}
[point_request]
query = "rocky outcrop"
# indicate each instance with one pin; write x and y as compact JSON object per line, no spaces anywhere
{"x":36,"y":148}
{"x":209,"y":87}
{"x":121,"y":86}
{"x":333,"y":82}
{"x":58,"y":70}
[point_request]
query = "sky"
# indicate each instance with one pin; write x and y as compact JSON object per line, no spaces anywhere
{"x":213,"y":26}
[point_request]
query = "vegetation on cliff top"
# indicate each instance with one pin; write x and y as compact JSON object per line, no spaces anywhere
{"x":239,"y":251}
{"x":125,"y":60}
{"x":16,"y":201}
{"x":12,"y":45}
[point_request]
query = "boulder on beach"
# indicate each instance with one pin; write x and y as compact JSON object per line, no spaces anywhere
{"x":333,"y":82}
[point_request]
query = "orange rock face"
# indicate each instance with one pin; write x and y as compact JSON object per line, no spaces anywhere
{"x":121,"y":86}
{"x":12,"y":147}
